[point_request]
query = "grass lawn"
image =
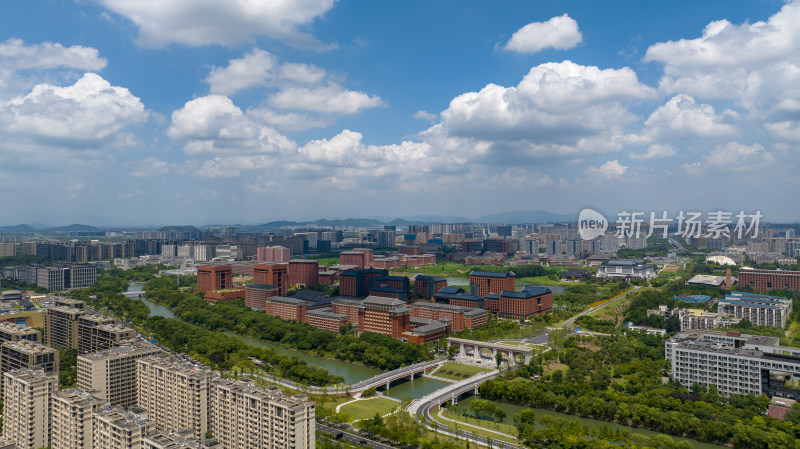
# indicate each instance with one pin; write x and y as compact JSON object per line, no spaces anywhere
{"x":457,"y":371}
{"x":369,"y":407}
{"x":540,"y":280}
{"x":613,"y":311}
{"x":327,"y":261}
{"x":454,"y":419}
{"x":440,"y":269}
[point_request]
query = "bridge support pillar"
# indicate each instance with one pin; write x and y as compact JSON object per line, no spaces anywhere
{"x":477,"y":352}
{"x":387,"y":384}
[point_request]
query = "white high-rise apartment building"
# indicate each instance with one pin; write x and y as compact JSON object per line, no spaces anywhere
{"x":26,"y":407}
{"x":114,"y":428}
{"x":243,"y":416}
{"x":71,"y":418}
{"x":175,"y":394}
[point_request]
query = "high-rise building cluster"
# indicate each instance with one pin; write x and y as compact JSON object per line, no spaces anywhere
{"x":134,"y":397}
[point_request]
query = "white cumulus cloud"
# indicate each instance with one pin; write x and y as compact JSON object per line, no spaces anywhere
{"x":15,"y":55}
{"x":609,"y":170}
{"x":230,"y":22}
{"x":656,"y":151}
{"x":682,"y":117}
{"x":251,"y":70}
{"x":756,"y":65}
{"x":732,"y":157}
{"x":84,"y":113}
{"x":330,"y":99}
{"x":559,"y":32}
{"x":554,"y":102}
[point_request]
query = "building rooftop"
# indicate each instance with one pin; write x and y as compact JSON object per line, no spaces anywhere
{"x":536,"y":290}
{"x":246,"y":387}
{"x":310,"y":295}
{"x":129,"y":348}
{"x":7,"y":326}
{"x":424,"y":277}
{"x":75,"y":396}
{"x":706,"y":279}
{"x":491,"y":274}
{"x":326,"y":312}
{"x":289,"y":301}
{"x":377,"y":300}
{"x":348,"y":301}
{"x":27,"y":347}
{"x":184,"y":368}
{"x":257,"y":286}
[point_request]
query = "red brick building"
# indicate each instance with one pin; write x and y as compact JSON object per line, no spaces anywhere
{"x":530,"y":301}
{"x":357,"y":282}
{"x":385,"y":316}
{"x":472,"y":246}
{"x":458,"y":297}
{"x":397,"y":287}
{"x":255,"y":295}
{"x":424,"y":330}
{"x":766,"y":280}
{"x":409,"y":250}
{"x":349,"y":308}
{"x":276,"y":254}
{"x":303,"y":272}
{"x":353,"y":258}
{"x":276,"y":274}
{"x":460,"y":318}
{"x":326,"y":319}
{"x":491,"y":302}
{"x":487,"y":282}
{"x":328,"y":277}
{"x":289,"y":309}
{"x":369,"y":257}
{"x":214,"y":277}
{"x":224,"y":295}
{"x":427,"y":286}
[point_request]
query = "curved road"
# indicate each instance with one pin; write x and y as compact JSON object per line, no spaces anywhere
{"x":571,"y":321}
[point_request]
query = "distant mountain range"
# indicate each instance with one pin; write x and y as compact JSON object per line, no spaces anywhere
{"x":27,"y":229}
{"x":514,"y":217}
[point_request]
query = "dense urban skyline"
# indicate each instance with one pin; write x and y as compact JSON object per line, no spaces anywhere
{"x":118,"y":112}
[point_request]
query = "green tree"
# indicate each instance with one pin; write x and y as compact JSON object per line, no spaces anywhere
{"x":498,"y":357}
{"x":452,"y":351}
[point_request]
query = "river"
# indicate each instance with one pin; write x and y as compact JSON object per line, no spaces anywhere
{"x":351,"y":372}
{"x":512,"y":410}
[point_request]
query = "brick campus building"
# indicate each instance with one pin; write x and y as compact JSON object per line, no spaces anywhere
{"x":483,"y":283}
{"x":214,"y":277}
{"x":303,"y":272}
{"x":766,"y":280}
{"x":276,"y":274}
{"x":427,"y":286}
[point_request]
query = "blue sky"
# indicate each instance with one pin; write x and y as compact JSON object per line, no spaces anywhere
{"x":200,"y":111}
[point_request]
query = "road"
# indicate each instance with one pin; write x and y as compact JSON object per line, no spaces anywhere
{"x":352,"y":437}
{"x":421,"y":408}
{"x":571,"y":321}
{"x":675,"y":244}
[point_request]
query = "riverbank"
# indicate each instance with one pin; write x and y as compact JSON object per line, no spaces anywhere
{"x":351,"y":372}
{"x":512,"y":410}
